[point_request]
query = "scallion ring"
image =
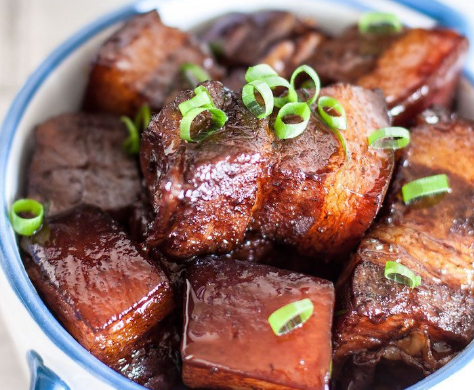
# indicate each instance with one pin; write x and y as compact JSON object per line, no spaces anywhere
{"x":339,"y":121}
{"x":194,"y":74}
{"x":316,"y":82}
{"x":401,"y":274}
{"x":26,"y":226}
{"x":379,"y":23}
{"x":389,"y":138}
{"x":219,"y":118}
{"x":132,"y":144}
{"x":277,"y":81}
{"x":343,"y":142}
{"x":250,"y":101}
{"x":143,"y":118}
{"x":291,"y":130}
{"x":259,"y":72}
{"x":291,"y":316}
{"x":426,"y":186}
{"x":202,"y":99}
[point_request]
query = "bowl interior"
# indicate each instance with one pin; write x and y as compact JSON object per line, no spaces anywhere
{"x":58,"y":85}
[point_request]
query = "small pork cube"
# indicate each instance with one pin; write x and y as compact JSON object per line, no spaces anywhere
{"x":140,"y":64}
{"x":96,"y":281}
{"x":227,"y":340}
{"x":79,"y":159}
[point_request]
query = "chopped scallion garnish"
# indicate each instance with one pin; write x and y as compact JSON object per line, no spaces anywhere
{"x":389,"y":138}
{"x":379,"y":23}
{"x":219,"y":118}
{"x":132,"y":144}
{"x":314,"y":81}
{"x":332,"y":113}
{"x":259,"y":72}
{"x":401,"y":274}
{"x":280,"y":82}
{"x":250,"y":101}
{"x":202,"y":99}
{"x":20,"y":216}
{"x":194,"y":74}
{"x":426,"y":186}
{"x":291,"y":316}
{"x":291,"y":130}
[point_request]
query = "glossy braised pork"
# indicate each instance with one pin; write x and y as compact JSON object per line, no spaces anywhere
{"x":415,"y":68}
{"x":420,"y":329}
{"x":204,"y":193}
{"x":96,"y":281}
{"x":317,"y":201}
{"x":140,"y":64}
{"x":79,"y":159}
{"x":228,"y":342}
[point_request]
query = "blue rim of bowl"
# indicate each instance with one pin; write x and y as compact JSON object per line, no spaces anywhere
{"x":14,"y":270}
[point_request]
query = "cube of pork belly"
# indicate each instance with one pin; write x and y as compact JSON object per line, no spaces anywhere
{"x":389,"y":324}
{"x":78,"y":158}
{"x":140,"y":64}
{"x":96,"y":281}
{"x":154,"y":360}
{"x":204,"y":193}
{"x":428,"y":61}
{"x":227,"y":340}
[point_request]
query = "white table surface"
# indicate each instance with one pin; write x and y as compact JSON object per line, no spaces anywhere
{"x":29,"y":30}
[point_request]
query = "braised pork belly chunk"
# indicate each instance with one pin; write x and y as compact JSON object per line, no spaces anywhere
{"x":315,"y":199}
{"x":204,"y":193}
{"x":428,"y":61}
{"x":424,"y":327}
{"x":227,"y":341}
{"x":141,"y":64}
{"x":96,"y":281}
{"x":79,"y":159}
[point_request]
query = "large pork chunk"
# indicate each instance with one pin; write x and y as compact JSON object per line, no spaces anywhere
{"x":79,"y":159}
{"x":228,"y":342}
{"x":204,"y":193}
{"x":315,"y":199}
{"x":140,"y":64}
{"x":96,"y":281}
{"x":386,"y":324}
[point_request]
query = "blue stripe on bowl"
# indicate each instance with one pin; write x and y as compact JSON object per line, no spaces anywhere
{"x":10,"y":260}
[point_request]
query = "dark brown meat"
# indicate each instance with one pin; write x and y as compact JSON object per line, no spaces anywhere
{"x":428,"y":61}
{"x":350,"y":55}
{"x":227,"y":341}
{"x":96,"y":281}
{"x":140,"y":64}
{"x":154,"y":360}
{"x":426,"y":326}
{"x":277,"y":38}
{"x":78,"y":159}
{"x":317,"y":201}
{"x":204,"y":193}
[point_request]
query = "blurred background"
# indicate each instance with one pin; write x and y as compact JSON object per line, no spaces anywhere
{"x":29,"y":30}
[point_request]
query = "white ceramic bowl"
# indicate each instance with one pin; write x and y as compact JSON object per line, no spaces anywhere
{"x":57,"y":86}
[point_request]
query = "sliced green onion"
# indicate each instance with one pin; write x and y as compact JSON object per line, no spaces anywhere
{"x":333,"y":121}
{"x":389,"y":138}
{"x":291,"y":130}
{"x":291,"y":316}
{"x":426,"y":186}
{"x":194,"y":74}
{"x":248,"y":97}
{"x":202,"y":99}
{"x":316,"y":82}
{"x":401,"y":274}
{"x":219,"y":118}
{"x":277,"y":81}
{"x":379,"y":23}
{"x":258,"y":72}
{"x":132,"y":144}
{"x":143,"y":118}
{"x":26,"y":226}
